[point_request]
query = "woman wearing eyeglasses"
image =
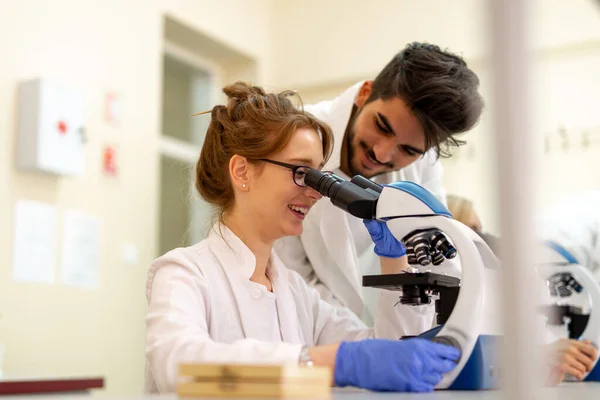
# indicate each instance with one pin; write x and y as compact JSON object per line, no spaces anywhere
{"x":229,"y":299}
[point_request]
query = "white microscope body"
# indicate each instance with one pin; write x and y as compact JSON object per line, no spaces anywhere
{"x":572,"y":285}
{"x":407,"y":207}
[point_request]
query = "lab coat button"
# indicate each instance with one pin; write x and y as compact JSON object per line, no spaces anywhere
{"x":256,"y":293}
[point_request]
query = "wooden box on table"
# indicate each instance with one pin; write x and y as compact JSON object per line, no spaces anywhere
{"x":242,"y":380}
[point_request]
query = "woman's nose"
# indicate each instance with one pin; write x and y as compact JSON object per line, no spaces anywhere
{"x":313,"y":194}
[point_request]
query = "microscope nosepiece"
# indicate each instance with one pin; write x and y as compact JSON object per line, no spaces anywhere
{"x":441,"y":243}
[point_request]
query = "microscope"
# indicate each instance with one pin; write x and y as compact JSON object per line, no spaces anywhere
{"x":574,"y":294}
{"x":408,"y":210}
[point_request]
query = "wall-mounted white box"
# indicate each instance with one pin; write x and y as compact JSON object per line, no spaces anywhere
{"x":50,"y":129}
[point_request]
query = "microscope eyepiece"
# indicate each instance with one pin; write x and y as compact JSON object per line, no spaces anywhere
{"x":351,"y":197}
{"x":322,"y":182}
{"x":365,"y":183}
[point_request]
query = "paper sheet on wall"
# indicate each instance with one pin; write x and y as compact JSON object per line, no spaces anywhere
{"x":81,"y":249}
{"x":34,"y":246}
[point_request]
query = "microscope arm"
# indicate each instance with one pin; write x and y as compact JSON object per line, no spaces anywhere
{"x":464,"y":322}
{"x":407,"y":207}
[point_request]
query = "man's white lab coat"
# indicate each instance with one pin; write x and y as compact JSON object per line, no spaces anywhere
{"x":326,"y":255}
{"x":202,"y":307}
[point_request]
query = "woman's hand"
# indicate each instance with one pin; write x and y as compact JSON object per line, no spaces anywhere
{"x":410,"y":365}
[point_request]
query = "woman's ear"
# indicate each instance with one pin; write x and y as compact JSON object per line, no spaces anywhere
{"x":239,"y":170}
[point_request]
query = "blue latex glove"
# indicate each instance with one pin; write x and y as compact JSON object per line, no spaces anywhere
{"x":386,"y":245}
{"x":410,"y":365}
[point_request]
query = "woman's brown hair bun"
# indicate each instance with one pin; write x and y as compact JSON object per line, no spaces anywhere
{"x":254,"y":125}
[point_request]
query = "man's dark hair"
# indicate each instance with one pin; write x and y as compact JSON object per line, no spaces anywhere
{"x":441,"y":91}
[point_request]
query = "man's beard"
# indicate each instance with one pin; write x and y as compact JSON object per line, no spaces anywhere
{"x":351,"y":154}
{"x":350,"y":149}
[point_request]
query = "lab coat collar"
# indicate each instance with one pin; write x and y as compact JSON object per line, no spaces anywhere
{"x":239,"y":263}
{"x":339,"y":116}
{"x":233,"y":250}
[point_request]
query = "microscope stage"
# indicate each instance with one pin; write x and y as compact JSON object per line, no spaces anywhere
{"x":421,"y":279}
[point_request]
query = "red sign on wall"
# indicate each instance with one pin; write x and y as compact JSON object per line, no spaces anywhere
{"x":109,"y":161}
{"x":62,"y":127}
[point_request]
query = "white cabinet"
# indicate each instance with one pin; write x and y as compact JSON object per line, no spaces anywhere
{"x":50,"y":129}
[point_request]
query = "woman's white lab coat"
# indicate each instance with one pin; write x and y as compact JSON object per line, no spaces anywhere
{"x":202,"y":307}
{"x":325,"y":255}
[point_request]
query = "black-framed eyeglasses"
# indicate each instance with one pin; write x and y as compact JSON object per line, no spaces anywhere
{"x":298,"y":171}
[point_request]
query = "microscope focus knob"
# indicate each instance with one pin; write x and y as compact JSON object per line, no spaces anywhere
{"x":448,"y":341}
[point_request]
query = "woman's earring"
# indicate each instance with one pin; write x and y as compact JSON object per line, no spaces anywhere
{"x":243,"y":185}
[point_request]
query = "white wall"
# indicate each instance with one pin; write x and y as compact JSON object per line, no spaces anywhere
{"x":314,"y":46}
{"x":565,"y":93}
{"x":321,"y":42}
{"x":327,"y":46}
{"x":97,"y":46}
{"x":244,"y":26}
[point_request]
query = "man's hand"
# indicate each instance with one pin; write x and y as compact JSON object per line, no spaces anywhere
{"x":386,"y":245}
{"x":572,"y":356}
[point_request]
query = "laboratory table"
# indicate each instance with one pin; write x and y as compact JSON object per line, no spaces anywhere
{"x":578,"y":391}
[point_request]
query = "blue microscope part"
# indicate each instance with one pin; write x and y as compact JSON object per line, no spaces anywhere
{"x":422,"y":194}
{"x":481,"y":371}
{"x":448,"y":253}
{"x":594,"y":375}
{"x":562,"y":251}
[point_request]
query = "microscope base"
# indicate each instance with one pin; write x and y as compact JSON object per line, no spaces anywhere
{"x":482,"y":370}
